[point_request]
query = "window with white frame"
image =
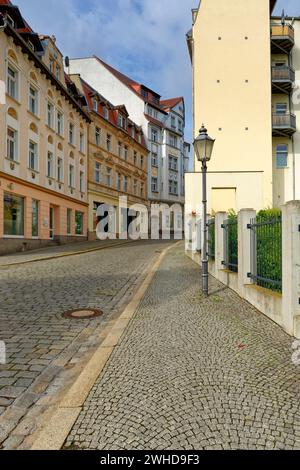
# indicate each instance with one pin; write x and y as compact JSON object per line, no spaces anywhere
{"x":125,"y":184}
{"x":105,"y":112}
{"x":50,"y":160}
{"x":12,"y":82}
{"x":173,"y":187}
{"x":71,"y":133}
{"x":119,"y":182}
{"x":173,"y":122}
{"x":125,"y":153}
{"x":108,"y":176}
{"x":50,"y":115}
{"x":12,"y":144}
{"x":97,"y":172}
{"x":282,"y":156}
{"x":133,"y":132}
{"x":154,"y":156}
{"x":154,"y":185}
{"x":120,"y":149}
{"x":97,"y":136}
{"x":33,"y":155}
{"x":81,"y":142}
{"x":95,"y":105}
{"x":33,"y":100}
{"x":173,"y":163}
{"x":81,"y":182}
{"x":60,"y":123}
{"x":60,"y":170}
{"x":154,"y":135}
{"x":71,"y":176}
{"x":173,"y":140}
{"x":122,"y":121}
{"x":58,"y":72}
{"x":108,"y":142}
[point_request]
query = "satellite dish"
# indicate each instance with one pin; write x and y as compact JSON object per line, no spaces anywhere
{"x":67,"y":62}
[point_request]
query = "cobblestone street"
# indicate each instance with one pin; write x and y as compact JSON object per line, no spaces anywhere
{"x":194,"y":373}
{"x":43,"y":348}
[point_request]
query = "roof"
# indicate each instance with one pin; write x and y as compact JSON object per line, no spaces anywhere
{"x":171,"y":103}
{"x":154,"y":121}
{"x":272,"y":5}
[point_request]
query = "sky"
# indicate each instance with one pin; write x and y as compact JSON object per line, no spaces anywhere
{"x":144,"y":39}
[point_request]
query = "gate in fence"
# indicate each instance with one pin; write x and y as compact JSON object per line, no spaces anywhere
{"x":230,"y":227}
{"x":266,"y":252}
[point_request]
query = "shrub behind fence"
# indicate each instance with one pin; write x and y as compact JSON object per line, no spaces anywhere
{"x":230,"y":227}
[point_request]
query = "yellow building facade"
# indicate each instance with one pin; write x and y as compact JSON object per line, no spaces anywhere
{"x":43,"y":149}
{"x":118,"y":157}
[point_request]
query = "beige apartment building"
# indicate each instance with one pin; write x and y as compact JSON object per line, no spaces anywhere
{"x":246,"y":68}
{"x":43,"y":149}
{"x":118,"y":158}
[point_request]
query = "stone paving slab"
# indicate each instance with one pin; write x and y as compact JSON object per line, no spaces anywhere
{"x":194,"y":373}
{"x":44,"y":349}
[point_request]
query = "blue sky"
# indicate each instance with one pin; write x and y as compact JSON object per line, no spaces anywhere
{"x":143,"y":38}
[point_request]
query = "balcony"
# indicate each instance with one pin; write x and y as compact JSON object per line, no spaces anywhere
{"x":283,"y":78}
{"x":282,"y":38}
{"x":284,"y":124}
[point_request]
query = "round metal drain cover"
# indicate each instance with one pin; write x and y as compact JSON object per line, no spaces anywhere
{"x":83,"y":313}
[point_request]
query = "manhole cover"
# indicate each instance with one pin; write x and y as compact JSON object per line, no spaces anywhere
{"x":83,"y":313}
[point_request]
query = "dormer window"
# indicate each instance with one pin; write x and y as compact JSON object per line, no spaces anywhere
{"x":144,"y":93}
{"x":121,"y":121}
{"x":31,"y":45}
{"x":105,"y":112}
{"x":155,"y":99}
{"x":133,"y":132}
{"x":95,"y":105}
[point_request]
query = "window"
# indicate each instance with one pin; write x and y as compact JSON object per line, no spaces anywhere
{"x":173,"y":140}
{"x":135,"y":186}
{"x":125,"y":153}
{"x":282,"y":156}
{"x":33,"y":163}
{"x":57,"y":72}
{"x":35,"y":218}
{"x":97,"y":136}
{"x":81,"y":182}
{"x":173,"y":122}
{"x":81,"y":142}
{"x":95,"y":105}
{"x":97,"y":172}
{"x":60,"y":170}
{"x":60,"y":123}
{"x":281,"y":108}
{"x":142,"y":189}
{"x":12,"y":82}
{"x":51,"y":64}
{"x":71,"y":176}
{"x":33,"y":100}
{"x":154,"y":186}
{"x":133,"y":132}
{"x":135,"y":159}
{"x":12,"y":144}
{"x":173,"y":187}
{"x":108,"y":142}
{"x":13,"y":215}
{"x":144,"y":93}
{"x":79,"y":223}
{"x":105,"y":112}
{"x":120,"y":149}
{"x":121,"y":121}
{"x":155,"y":99}
{"x":119,"y":182}
{"x":154,"y":156}
{"x":108,"y":176}
{"x":154,"y":135}
{"x":142,"y":161}
{"x":10,"y":21}
{"x":50,"y":115}
{"x":71,"y":133}
{"x":180,"y":125}
{"x":69,"y":221}
{"x":50,"y":164}
{"x":173,"y":163}
{"x":125,"y":184}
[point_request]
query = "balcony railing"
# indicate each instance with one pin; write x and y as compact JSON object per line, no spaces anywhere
{"x":283,"y":74}
{"x":282,"y":37}
{"x":284,"y":124}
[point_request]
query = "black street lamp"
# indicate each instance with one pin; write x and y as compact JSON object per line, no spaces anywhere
{"x":203,"y":146}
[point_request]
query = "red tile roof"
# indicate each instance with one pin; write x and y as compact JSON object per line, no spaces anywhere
{"x":171,"y":103}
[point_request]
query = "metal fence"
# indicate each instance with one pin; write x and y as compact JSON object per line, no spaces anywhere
{"x":266,"y":252}
{"x":211,"y":238}
{"x":230,"y":227}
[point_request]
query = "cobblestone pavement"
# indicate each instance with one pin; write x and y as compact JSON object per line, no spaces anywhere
{"x":43,"y":348}
{"x":194,"y":373}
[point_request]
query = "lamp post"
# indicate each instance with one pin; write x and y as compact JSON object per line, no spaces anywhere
{"x":203,"y":146}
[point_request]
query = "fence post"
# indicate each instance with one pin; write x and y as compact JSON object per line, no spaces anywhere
{"x":244,"y":248}
{"x":220,"y":218}
{"x":291,"y":267}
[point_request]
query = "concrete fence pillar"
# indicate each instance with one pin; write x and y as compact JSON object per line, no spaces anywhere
{"x":244,"y":249}
{"x":220,"y":217}
{"x":291,"y":267}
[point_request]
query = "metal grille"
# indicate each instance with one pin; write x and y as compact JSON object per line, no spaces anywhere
{"x":211,"y":238}
{"x":266,"y":252}
{"x":230,"y":227}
